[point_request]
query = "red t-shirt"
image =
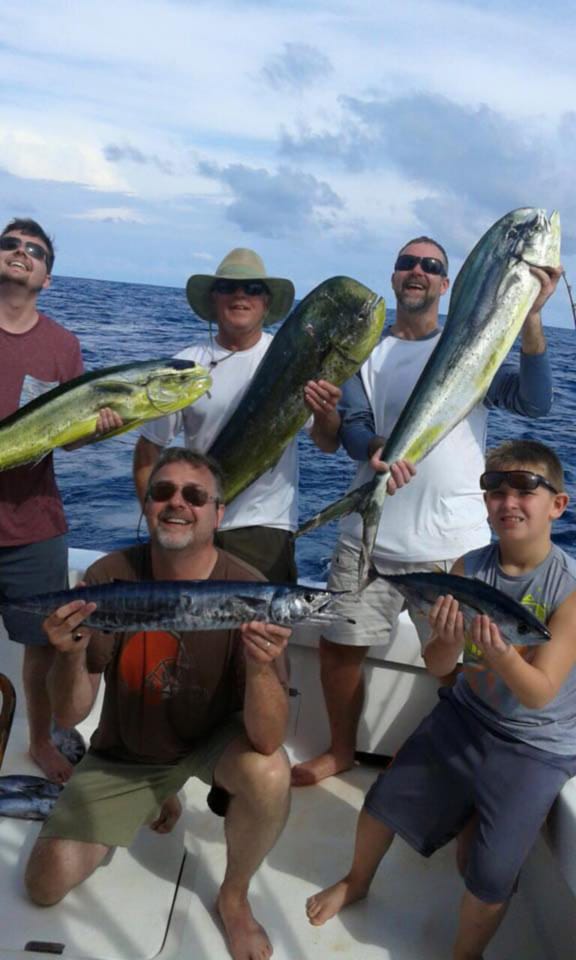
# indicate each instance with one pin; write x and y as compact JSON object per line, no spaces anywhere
{"x":30,"y":505}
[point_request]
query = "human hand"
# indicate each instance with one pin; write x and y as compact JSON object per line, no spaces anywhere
{"x":264,"y":642}
{"x":107,"y":421}
{"x":168,"y":817}
{"x":322,"y":398}
{"x":63,"y":627}
{"x":487,"y":636}
{"x":549,"y":278}
{"x":401,"y":471}
{"x":447,"y":622}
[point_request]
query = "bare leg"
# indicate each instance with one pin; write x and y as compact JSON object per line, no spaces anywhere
{"x":260,"y":789}
{"x":343,"y":685}
{"x":56,"y":866}
{"x":37,"y":663}
{"x":373,"y":840}
{"x":479,"y":922}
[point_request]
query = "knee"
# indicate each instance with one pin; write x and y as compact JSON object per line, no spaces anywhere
{"x":268,"y":776}
{"x":43,"y":876}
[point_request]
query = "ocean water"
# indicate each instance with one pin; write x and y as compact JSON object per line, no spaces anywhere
{"x":119,"y":322}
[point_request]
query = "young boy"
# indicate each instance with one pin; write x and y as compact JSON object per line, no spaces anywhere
{"x":496,"y":750}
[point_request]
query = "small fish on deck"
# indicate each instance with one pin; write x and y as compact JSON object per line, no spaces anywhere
{"x":188,"y":604}
{"x":27,"y":797}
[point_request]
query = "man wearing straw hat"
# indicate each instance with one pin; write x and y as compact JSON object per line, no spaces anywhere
{"x":240,"y":299}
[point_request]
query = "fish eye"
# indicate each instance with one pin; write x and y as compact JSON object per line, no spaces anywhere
{"x":309,"y":597}
{"x":523,"y":628}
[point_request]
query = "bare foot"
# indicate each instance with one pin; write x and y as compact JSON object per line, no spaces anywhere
{"x":168,"y":817}
{"x":326,"y":904}
{"x":247,"y":940}
{"x":325,"y":765}
{"x":52,"y":763}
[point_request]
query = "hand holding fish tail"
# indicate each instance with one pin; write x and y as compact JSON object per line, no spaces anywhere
{"x":64,"y":627}
{"x":447,"y":640}
{"x":401,"y":471}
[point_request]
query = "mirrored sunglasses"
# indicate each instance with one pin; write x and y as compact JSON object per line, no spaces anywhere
{"x":406,"y":261}
{"x":517,"y":479}
{"x":163,"y":490}
{"x":34,"y":250}
{"x":252,"y":288}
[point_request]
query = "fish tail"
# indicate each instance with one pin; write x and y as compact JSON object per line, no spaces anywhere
{"x":353,"y":502}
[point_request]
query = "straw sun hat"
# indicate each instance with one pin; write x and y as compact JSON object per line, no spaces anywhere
{"x":240,"y":264}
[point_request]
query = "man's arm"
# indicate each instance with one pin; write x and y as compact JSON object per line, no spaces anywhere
{"x":357,"y":430}
{"x":146,"y":454}
{"x":537,"y":682}
{"x":71,"y":688}
{"x":266,"y":695}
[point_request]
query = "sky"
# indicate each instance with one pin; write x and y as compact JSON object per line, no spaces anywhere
{"x":150,"y":137}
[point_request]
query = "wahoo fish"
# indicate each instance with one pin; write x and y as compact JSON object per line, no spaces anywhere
{"x":186,"y":604}
{"x":517,"y":624}
{"x":491,"y":297}
{"x":27,"y":797}
{"x":327,"y":337}
{"x":137,"y":391}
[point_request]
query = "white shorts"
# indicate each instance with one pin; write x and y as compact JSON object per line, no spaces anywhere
{"x":375,"y":609}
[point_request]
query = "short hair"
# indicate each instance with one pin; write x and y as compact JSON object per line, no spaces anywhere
{"x":527,"y":454}
{"x":427,"y":240}
{"x":194,"y":459}
{"x":32,"y":229}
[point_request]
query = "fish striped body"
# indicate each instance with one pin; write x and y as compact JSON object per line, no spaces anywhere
{"x":327,"y":337}
{"x":137,"y":391}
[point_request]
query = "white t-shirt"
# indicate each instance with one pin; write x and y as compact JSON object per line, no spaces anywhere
{"x":272,"y":500}
{"x":440,"y":514}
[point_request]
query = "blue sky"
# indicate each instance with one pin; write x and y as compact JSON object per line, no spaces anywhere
{"x":152,"y":136}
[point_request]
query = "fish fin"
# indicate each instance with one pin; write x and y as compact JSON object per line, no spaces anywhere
{"x":353,"y":502}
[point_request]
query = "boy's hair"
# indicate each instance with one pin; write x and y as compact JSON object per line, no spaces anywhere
{"x":32,"y":229}
{"x":192,"y":457}
{"x":528,"y":454}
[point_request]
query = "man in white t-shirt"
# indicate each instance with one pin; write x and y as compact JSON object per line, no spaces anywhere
{"x":241,"y":300}
{"x":441,"y":515}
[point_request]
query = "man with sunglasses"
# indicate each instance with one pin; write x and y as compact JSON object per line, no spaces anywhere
{"x":441,"y":514}
{"x":208,"y":704}
{"x":36,"y":353}
{"x":240,"y":300}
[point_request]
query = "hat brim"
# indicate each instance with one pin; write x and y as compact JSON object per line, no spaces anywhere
{"x":199,"y":295}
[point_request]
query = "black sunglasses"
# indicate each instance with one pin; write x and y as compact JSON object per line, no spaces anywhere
{"x":162,"y":490}
{"x":517,"y":479}
{"x":406,"y":261}
{"x":35,"y":250}
{"x":253,"y":288}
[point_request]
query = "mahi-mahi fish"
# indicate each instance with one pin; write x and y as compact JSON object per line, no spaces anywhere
{"x":327,"y":337}
{"x":137,"y":391}
{"x":517,"y":624}
{"x":491,"y":297}
{"x":186,"y":604}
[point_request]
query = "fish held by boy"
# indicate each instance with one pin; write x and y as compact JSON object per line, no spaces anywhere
{"x":516,"y":623}
{"x":138,"y":391}
{"x":187,"y":604}
{"x":491,"y":298}
{"x":327,"y":337}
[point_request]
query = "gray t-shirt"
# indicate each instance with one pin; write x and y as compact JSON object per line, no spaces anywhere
{"x":480,"y":689}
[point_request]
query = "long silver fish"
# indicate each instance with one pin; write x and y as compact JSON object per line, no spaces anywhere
{"x":27,"y":797}
{"x":517,"y":624}
{"x":137,"y":391}
{"x":187,"y":604}
{"x":491,"y":297}
{"x":327,"y":337}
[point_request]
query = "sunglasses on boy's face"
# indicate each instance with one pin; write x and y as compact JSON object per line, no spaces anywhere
{"x":35,"y":250}
{"x":516,"y":479}
{"x":252,"y":288}
{"x":406,"y":261}
{"x":163,"y":490}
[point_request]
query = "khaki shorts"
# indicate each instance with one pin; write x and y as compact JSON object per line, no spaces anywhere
{"x":107,"y":802}
{"x":375,"y":609}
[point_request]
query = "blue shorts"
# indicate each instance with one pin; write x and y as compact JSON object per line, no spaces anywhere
{"x":26,"y":570}
{"x":453,"y":767}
